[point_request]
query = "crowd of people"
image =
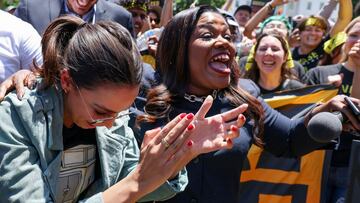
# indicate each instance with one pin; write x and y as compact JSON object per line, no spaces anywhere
{"x":91,"y":120}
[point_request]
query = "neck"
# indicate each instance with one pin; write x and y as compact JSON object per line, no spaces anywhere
{"x":269,"y":81}
{"x":68,"y":121}
{"x":198,"y":91}
{"x":350,"y":65}
{"x":305,"y":49}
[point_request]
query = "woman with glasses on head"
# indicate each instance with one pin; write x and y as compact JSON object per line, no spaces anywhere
{"x":66,"y":140}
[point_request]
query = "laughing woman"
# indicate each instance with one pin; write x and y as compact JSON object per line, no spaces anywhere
{"x":66,"y":140}
{"x":270,"y":69}
{"x":196,"y":59}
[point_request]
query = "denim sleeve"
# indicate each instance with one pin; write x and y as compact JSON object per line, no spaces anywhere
{"x":21,"y":177}
{"x":131,"y":159}
{"x":164,"y":192}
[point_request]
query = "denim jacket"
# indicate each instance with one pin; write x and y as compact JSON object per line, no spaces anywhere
{"x":31,"y":146}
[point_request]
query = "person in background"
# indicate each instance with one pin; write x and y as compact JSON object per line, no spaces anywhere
{"x":345,"y":75}
{"x":278,"y":25}
{"x":199,"y":61}
{"x":154,"y":14}
{"x":19,"y":45}
{"x":270,"y":68}
{"x":138,"y":10}
{"x":313,"y":34}
{"x":68,"y":138}
{"x":39,"y":13}
{"x":242,"y":15}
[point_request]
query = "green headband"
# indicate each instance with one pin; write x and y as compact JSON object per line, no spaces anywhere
{"x":280,"y":18}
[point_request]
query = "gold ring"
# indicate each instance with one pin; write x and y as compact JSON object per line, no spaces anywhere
{"x":165,"y":143}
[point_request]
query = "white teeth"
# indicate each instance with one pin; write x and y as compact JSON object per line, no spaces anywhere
{"x":268,"y":62}
{"x":221,"y":58}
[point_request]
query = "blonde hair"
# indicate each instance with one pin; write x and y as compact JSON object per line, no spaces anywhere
{"x":344,"y":56}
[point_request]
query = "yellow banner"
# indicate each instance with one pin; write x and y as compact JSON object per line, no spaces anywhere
{"x":266,"y":178}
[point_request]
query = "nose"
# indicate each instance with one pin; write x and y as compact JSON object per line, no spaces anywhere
{"x":221,"y":42}
{"x":137,"y":18}
{"x":268,"y":51}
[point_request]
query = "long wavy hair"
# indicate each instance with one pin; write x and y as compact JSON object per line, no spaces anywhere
{"x":173,"y":65}
{"x":254,"y":72}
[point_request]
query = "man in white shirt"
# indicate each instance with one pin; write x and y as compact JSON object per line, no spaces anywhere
{"x":20,"y":44}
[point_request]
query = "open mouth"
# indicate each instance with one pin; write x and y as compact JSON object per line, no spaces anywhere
{"x":220,"y":63}
{"x":269,"y":63}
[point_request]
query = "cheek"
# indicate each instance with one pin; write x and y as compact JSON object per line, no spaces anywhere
{"x":320,"y":34}
{"x":258,"y":58}
{"x":303,"y":35}
{"x":197,"y":53}
{"x":284,"y":32}
{"x":348,"y":45}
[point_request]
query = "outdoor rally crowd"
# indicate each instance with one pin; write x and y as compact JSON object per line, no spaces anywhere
{"x":123,"y":101}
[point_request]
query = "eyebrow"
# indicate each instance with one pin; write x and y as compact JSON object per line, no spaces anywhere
{"x":105,"y":109}
{"x":210,"y":25}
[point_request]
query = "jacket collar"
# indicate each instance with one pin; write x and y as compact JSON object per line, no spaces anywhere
{"x":111,"y":144}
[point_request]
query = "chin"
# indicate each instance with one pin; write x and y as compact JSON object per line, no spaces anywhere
{"x":85,"y":125}
{"x":221,"y":85}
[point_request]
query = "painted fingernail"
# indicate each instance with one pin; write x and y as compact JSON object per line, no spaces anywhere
{"x":234,"y":128}
{"x":242,"y":117}
{"x":229,"y":141}
{"x":190,"y":127}
{"x":190,"y":116}
{"x":182,"y":115}
{"x":190,"y":143}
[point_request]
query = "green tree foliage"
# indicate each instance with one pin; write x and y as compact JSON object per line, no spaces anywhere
{"x":184,"y":4}
{"x":6,"y":3}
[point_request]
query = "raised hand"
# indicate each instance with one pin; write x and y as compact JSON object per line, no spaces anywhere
{"x":278,"y":2}
{"x":215,"y":132}
{"x":354,"y":55}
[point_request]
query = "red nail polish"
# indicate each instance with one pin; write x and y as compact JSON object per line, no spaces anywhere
{"x":190,"y":116}
{"x":182,"y":115}
{"x":190,"y":143}
{"x":229,"y":141}
{"x":234,"y":128}
{"x":190,"y":127}
{"x":242,"y":117}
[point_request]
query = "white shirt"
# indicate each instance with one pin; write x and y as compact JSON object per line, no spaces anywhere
{"x":19,"y":45}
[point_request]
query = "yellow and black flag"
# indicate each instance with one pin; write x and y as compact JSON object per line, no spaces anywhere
{"x":267,"y":178}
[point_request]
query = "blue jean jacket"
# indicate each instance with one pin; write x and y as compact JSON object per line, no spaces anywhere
{"x":31,"y":146}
